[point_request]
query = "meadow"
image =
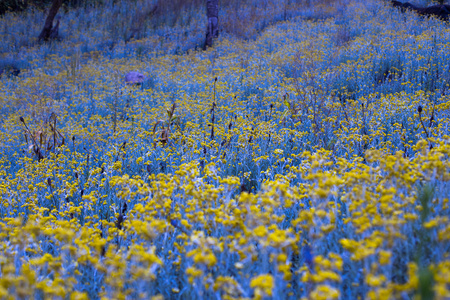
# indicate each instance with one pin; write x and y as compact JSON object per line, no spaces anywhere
{"x":304,"y":156}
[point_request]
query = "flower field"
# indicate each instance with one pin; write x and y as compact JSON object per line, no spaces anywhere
{"x":304,"y":159}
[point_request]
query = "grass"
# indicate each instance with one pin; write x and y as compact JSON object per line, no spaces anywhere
{"x":305,"y":155}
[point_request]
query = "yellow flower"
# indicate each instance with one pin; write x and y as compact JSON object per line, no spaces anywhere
{"x":324,"y":292}
{"x":263,"y":285}
{"x":260,"y":231}
{"x":117,"y":165}
{"x":78,"y":296}
{"x":384,"y":257}
{"x":375,"y":281}
{"x":192,"y":273}
{"x":278,"y":152}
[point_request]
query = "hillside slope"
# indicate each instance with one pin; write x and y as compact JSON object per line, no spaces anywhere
{"x":306,"y":160}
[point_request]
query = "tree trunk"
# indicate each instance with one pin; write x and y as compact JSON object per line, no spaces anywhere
{"x":212,"y":12}
{"x":45,"y":33}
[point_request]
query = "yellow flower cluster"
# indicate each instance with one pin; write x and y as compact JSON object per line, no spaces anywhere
{"x":316,"y":166}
